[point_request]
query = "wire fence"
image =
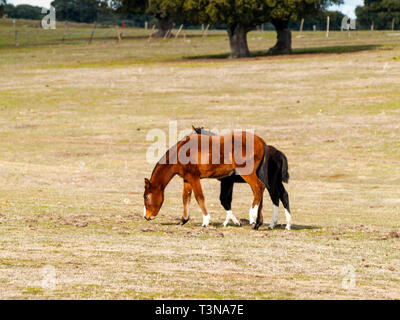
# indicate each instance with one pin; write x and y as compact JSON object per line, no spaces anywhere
{"x":20,"y":32}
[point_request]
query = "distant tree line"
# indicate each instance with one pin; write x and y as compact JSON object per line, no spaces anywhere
{"x":2,"y":5}
{"x":319,"y":21}
{"x":380,"y":13}
{"x":22,"y":11}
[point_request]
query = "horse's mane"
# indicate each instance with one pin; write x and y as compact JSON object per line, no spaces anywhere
{"x":199,"y":130}
{"x":167,"y":152}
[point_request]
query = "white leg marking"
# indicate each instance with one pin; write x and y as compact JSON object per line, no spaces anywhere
{"x":230,"y":216}
{"x":233,"y":218}
{"x":288,"y":220}
{"x":206,"y":220}
{"x":144,"y":211}
{"x":274,"y":217}
{"x":253,"y":214}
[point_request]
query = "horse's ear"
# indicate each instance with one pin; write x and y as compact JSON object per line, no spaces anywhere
{"x":147,"y":183}
{"x":197,"y":130}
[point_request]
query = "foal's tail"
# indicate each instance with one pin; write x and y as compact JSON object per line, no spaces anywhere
{"x":284,"y":167}
{"x":273,"y":160}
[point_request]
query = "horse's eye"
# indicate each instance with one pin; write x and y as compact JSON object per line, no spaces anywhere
{"x":146,"y":197}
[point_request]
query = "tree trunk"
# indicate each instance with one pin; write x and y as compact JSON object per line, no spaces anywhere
{"x":164,"y":27}
{"x":284,"y":38}
{"x":238,"y":40}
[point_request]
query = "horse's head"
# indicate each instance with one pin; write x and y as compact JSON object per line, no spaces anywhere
{"x":153,"y":200}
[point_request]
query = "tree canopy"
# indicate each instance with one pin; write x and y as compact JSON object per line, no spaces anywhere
{"x":22,"y":11}
{"x":78,"y":10}
{"x":2,"y":5}
{"x":380,"y":13}
{"x":241,"y":16}
{"x":283,"y":11}
{"x":129,"y":6}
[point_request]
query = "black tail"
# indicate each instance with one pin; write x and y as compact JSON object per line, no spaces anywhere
{"x":262,"y":170}
{"x":284,"y":167}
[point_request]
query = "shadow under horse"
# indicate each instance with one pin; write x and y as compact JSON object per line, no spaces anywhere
{"x":272,"y":173}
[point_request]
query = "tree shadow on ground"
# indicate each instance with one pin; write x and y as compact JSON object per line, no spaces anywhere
{"x":296,"y":52}
{"x":244,"y":223}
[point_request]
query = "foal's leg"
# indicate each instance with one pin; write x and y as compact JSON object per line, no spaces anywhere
{"x":226,"y":200}
{"x":273,"y":193}
{"x":198,"y":194}
{"x":285,"y":201}
{"x":258,"y":188}
{"x":186,"y":195}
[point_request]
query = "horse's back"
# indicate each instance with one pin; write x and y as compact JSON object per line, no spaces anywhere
{"x":220,"y":156}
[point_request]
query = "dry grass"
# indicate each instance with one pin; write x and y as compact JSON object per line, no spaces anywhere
{"x":73,"y":131}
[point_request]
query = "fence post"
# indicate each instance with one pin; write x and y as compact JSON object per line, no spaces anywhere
{"x":16,"y":38}
{"x":146,"y":25}
{"x":327,"y":26}
{"x":205,"y":32}
{"x":393,"y":24}
{"x":314,"y":28}
{"x":372,"y":26}
{"x":118,"y":34}
{"x":179,"y":30}
{"x":167,"y":34}
{"x":92,"y":33}
{"x":301,"y":25}
{"x":65,"y":31}
{"x":151,"y":33}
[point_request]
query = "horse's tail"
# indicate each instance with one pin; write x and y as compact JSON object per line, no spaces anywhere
{"x":262,"y":170}
{"x":284,"y":167}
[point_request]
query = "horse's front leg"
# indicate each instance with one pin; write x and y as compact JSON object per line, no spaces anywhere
{"x":198,"y":194}
{"x":255,"y":213}
{"x":186,"y":196}
{"x":226,"y":200}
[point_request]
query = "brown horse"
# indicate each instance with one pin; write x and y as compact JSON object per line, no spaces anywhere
{"x":200,"y":156}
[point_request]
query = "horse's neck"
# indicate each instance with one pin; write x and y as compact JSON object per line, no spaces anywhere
{"x":162,"y":175}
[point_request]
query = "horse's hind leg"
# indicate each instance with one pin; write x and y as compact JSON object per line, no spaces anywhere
{"x":198,"y":194}
{"x":186,"y":195}
{"x":284,"y":196}
{"x":226,"y":200}
{"x":256,"y":209}
{"x":275,"y":201}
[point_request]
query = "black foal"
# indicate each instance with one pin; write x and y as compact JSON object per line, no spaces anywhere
{"x":273,"y":174}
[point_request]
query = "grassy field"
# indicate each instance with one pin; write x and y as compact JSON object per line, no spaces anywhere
{"x":73,"y":126}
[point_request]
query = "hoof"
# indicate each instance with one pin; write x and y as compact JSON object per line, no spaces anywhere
{"x":183,"y":221}
{"x":288,"y":227}
{"x":271,"y":226}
